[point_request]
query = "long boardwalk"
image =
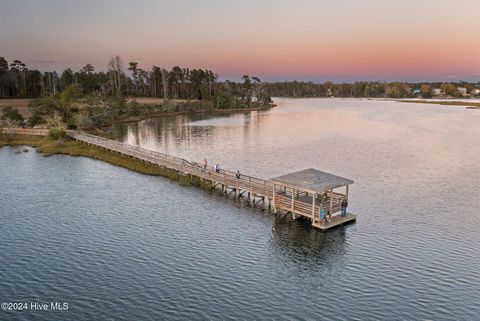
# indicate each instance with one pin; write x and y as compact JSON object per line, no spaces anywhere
{"x":253,"y":188}
{"x":308,"y":193}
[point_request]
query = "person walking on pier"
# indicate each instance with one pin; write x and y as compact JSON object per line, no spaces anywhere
{"x":344,"y":207}
{"x":205,"y":164}
{"x":238,"y":175}
{"x":217,"y":168}
{"x":323,"y":217}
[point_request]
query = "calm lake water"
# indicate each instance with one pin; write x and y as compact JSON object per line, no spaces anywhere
{"x":115,"y":244}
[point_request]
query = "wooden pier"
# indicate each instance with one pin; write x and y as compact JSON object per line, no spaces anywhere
{"x":307,"y":193}
{"x":310,"y":192}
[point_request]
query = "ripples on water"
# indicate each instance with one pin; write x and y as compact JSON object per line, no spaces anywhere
{"x":120,"y":245}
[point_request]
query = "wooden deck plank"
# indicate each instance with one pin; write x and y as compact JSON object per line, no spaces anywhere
{"x":335,"y":221}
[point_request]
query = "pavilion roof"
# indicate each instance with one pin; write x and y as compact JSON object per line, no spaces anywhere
{"x":312,"y":180}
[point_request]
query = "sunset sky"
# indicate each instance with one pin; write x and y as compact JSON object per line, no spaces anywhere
{"x":341,"y":40}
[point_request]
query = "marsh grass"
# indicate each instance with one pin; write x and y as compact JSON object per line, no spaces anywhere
{"x":470,"y":105}
{"x":66,"y":146}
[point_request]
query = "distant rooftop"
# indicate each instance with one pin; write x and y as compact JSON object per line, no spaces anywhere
{"x":312,"y":180}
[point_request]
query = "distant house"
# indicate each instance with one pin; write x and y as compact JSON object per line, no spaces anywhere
{"x":417,"y":92}
{"x":329,"y":92}
{"x":462,"y":91}
{"x":475,"y":92}
{"x":437,"y":92}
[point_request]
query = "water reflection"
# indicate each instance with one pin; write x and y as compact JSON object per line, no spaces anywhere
{"x":250,"y":141}
{"x":344,"y":136}
{"x":298,"y":242}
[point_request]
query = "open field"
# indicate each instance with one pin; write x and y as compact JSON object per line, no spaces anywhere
{"x":20,"y":104}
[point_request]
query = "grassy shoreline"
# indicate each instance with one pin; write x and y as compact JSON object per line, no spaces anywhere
{"x":469,"y":105}
{"x":146,"y":109}
{"x":70,"y":147}
{"x":131,"y":119}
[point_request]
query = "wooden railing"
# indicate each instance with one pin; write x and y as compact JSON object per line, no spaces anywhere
{"x":26,"y":131}
{"x":247,"y":183}
{"x":304,"y":208}
{"x":256,"y":186}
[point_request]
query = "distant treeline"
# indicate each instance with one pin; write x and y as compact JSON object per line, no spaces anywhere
{"x":18,"y":81}
{"x":368,"y":89}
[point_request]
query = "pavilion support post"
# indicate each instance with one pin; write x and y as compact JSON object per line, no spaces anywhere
{"x":293,"y":205}
{"x":313,"y":207}
{"x":346,"y":195}
{"x":273,"y":199}
{"x":331,"y":201}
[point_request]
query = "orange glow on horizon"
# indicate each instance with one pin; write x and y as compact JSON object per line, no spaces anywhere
{"x":346,"y":40}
